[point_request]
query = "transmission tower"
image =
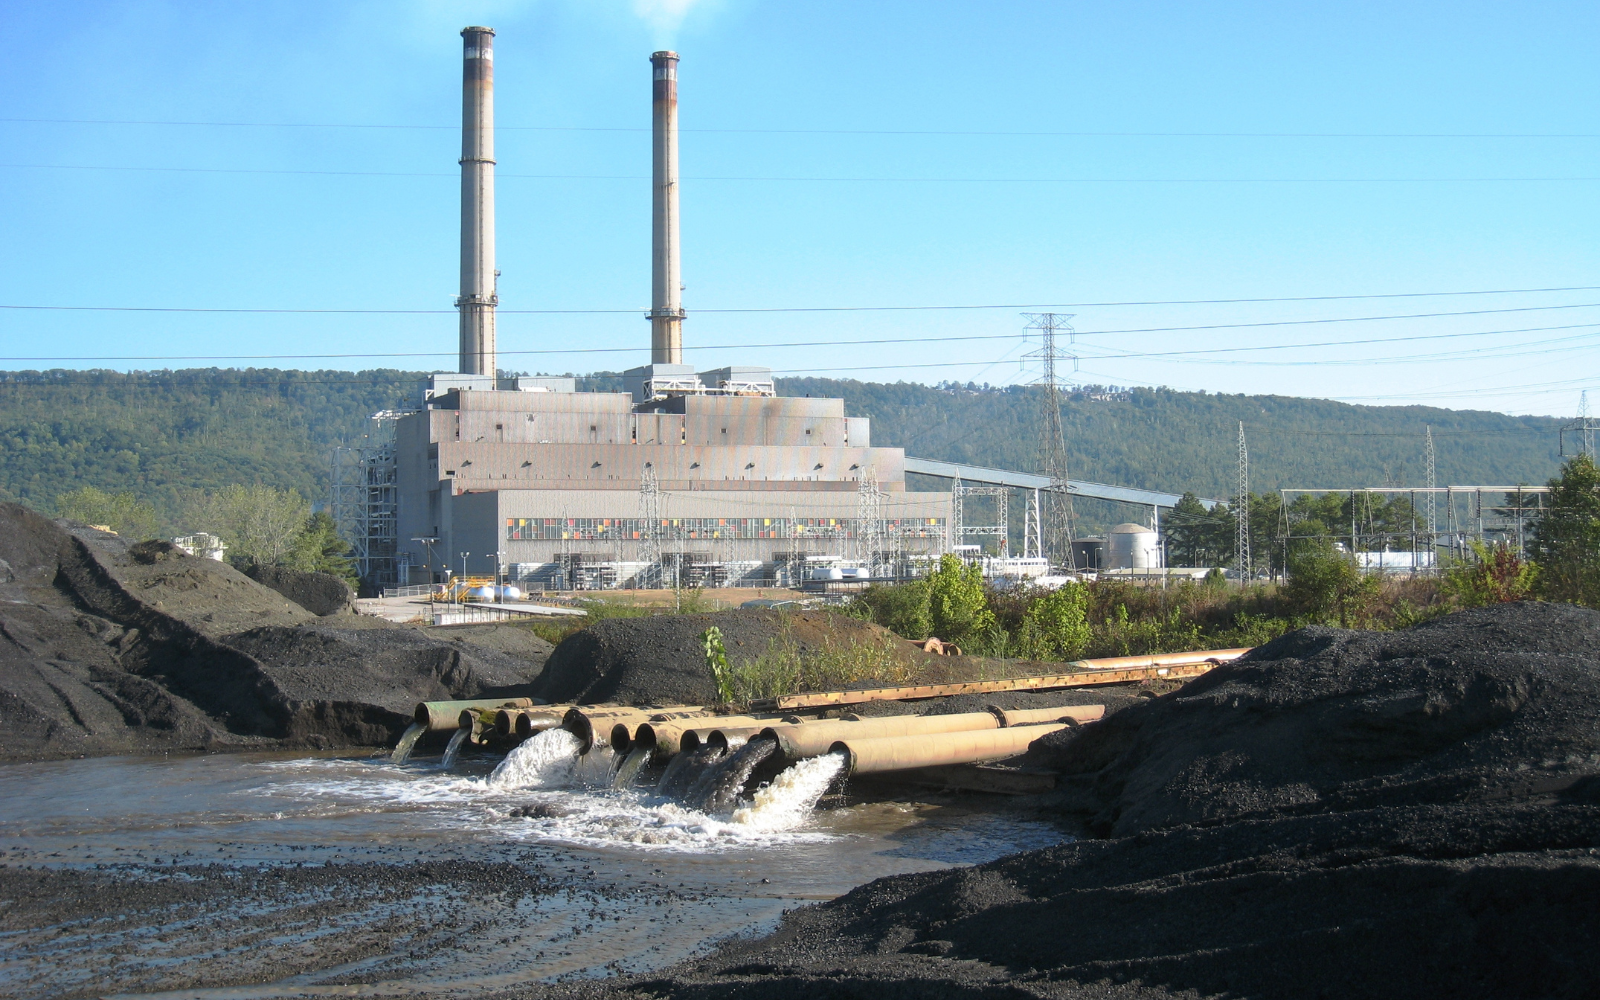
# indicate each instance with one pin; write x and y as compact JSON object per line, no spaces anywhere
{"x":650,"y":536}
{"x":1433,"y":499}
{"x":1581,"y":428}
{"x":870,"y":541}
{"x":1242,"y":512}
{"x":1056,"y":516}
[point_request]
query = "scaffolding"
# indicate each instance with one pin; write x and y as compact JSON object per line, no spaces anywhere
{"x":364,"y":500}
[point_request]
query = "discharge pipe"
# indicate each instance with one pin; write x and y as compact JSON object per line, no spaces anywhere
{"x":876,"y":755}
{"x":721,"y":736}
{"x":1161,"y":659}
{"x":667,"y":738}
{"x":588,"y":723}
{"x":446,"y":715}
{"x":1033,"y":716}
{"x":811,"y":739}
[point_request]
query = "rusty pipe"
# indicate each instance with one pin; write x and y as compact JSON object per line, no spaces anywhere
{"x":1034,"y":716}
{"x":666,"y":737}
{"x":1161,"y":659}
{"x":812,"y":738}
{"x":585,"y":722}
{"x":902,"y":753}
{"x":446,"y":715}
{"x":529,"y":723}
{"x":722,"y":736}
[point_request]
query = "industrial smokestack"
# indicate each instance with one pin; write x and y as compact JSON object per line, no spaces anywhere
{"x":666,"y":280}
{"x":479,"y":294}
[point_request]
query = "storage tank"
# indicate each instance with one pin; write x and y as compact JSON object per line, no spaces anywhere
{"x":1132,"y":546}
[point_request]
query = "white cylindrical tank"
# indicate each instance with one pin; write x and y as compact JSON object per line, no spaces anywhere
{"x":1132,"y":546}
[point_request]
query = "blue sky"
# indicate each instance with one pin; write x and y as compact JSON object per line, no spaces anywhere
{"x":834,"y":154}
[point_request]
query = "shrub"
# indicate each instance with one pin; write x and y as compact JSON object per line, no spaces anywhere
{"x":1056,"y":625}
{"x":1326,"y":586}
{"x":1495,"y":576}
{"x":958,"y":607}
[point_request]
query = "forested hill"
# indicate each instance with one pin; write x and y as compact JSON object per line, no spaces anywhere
{"x":1160,"y":439}
{"x":166,"y":435}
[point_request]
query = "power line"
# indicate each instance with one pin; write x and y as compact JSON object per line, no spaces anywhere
{"x":1446,"y":355}
{"x":835,"y":180}
{"x":787,"y":131}
{"x":855,"y":343}
{"x":804,"y":309}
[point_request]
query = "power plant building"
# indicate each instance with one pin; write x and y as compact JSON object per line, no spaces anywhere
{"x":692,"y":477}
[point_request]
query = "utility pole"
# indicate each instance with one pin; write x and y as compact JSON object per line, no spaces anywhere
{"x":1056,"y":517}
{"x":1242,"y":513}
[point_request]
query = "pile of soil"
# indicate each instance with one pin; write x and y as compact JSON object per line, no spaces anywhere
{"x":107,"y":648}
{"x":321,"y":594}
{"x":661,"y":659}
{"x":1337,"y":814}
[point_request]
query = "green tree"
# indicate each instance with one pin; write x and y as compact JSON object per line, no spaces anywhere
{"x":319,"y":549}
{"x":1496,"y":576}
{"x":259,"y":524}
{"x":957,"y":605}
{"x":1056,"y":625}
{"x":1566,"y":537}
{"x":122,"y":512}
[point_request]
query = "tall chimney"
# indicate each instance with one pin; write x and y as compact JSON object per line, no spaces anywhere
{"x":479,"y":293}
{"x":666,"y":280}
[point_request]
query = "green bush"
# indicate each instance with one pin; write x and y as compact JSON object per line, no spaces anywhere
{"x":1056,"y":625}
{"x":958,"y":606}
{"x":1494,"y":576}
{"x":1326,"y":586}
{"x":903,"y":609}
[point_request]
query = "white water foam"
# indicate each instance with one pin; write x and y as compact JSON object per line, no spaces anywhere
{"x":786,"y":802}
{"x":544,"y":790}
{"x":546,"y":760}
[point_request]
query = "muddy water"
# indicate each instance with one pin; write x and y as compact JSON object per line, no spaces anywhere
{"x":348,"y":875}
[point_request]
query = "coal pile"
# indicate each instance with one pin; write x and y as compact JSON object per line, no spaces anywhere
{"x":660,"y":659}
{"x":1339,"y":814}
{"x":1482,"y":705}
{"x":107,"y":648}
{"x":321,"y":594}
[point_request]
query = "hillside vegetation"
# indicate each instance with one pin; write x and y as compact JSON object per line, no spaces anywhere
{"x":165,"y":436}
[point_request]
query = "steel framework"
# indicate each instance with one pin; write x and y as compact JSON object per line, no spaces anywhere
{"x":1056,"y":516}
{"x":364,"y":499}
{"x":1467,"y":518}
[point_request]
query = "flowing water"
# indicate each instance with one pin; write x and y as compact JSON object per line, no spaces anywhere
{"x":452,"y":751}
{"x":624,"y":879}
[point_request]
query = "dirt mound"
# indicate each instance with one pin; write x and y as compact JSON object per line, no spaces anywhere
{"x":660,"y":660}
{"x":321,"y":594}
{"x":107,"y":648}
{"x":1478,"y":705}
